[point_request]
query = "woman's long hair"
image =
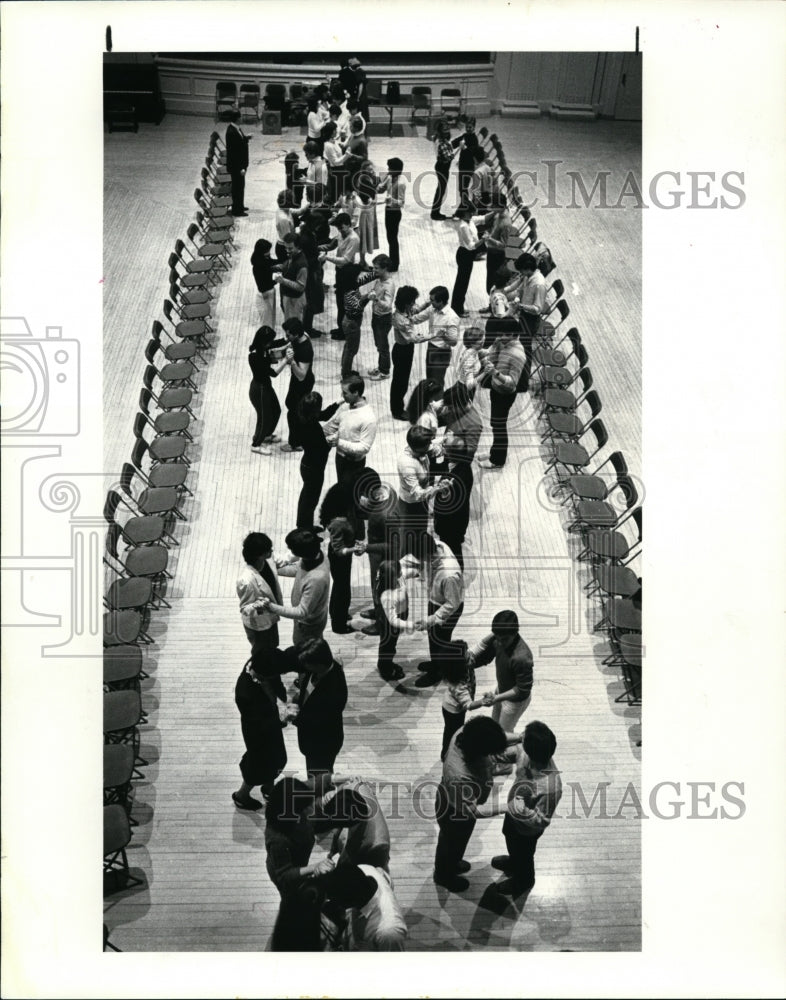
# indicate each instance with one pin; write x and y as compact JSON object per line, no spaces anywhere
{"x":424,"y":392}
{"x":263,"y":340}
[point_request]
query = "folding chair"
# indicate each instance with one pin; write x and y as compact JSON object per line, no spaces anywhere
{"x":123,"y":668}
{"x":145,"y":562}
{"x":569,"y":426}
{"x":213,"y":192}
{"x":226,"y":98}
{"x":168,"y":421}
{"x":166,"y":475}
{"x":573,"y":456}
{"x":249,"y":100}
{"x":167,"y":399}
{"x":215,"y":252}
{"x":194,"y":265}
{"x":139,"y":529}
{"x":421,"y":101}
{"x":613,"y":545}
{"x":177,"y":372}
{"x":117,"y":836}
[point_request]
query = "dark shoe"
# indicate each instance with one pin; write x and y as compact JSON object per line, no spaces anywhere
{"x":502,"y":863}
{"x":427,"y":665}
{"x":370,"y":630}
{"x":453,"y":883}
{"x":370,"y":614}
{"x":239,"y":214}
{"x":341,"y":629}
{"x":438,"y":217}
{"x":314,"y":334}
{"x":392,"y":673}
{"x":427,"y":680}
{"x":252,"y":805}
{"x":400,"y":416}
{"x":463,"y":867}
{"x":337,"y":336}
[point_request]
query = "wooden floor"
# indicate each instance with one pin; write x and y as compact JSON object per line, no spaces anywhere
{"x":203,"y":862}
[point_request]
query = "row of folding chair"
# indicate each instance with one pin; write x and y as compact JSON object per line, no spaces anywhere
{"x":604,"y":502}
{"x":143,"y":509}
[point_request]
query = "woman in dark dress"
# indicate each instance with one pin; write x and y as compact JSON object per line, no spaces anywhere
{"x":256,"y":697}
{"x":337,"y":515}
{"x":308,"y":239}
{"x":315,"y":455}
{"x":261,"y":392}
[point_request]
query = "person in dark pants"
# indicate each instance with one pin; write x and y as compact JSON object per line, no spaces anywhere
{"x":392,"y":618}
{"x":443,"y":332}
{"x":414,"y":490}
{"x":300,"y":358}
{"x":337,"y":515}
{"x":463,"y":430}
{"x":261,"y":392}
{"x":258,"y":580}
{"x":459,"y":692}
{"x":346,"y":252}
{"x":289,"y":837}
{"x":321,"y":702}
{"x":503,"y":366}
{"x":444,"y":151}
{"x":237,"y":163}
{"x":395,"y":189}
{"x":532,"y":802}
{"x":403,"y":351}
{"x":445,"y":581}
{"x":355,"y":303}
{"x":498,"y":229}
{"x":353,"y":430}
{"x":378,"y":504}
{"x":467,"y":780}
{"x":260,"y":721}
{"x":469,"y":248}
{"x":315,"y":455}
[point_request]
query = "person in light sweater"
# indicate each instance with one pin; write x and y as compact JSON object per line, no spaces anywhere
{"x":352,"y":430}
{"x":376,"y":918}
{"x":532,"y":802}
{"x":382,"y":293}
{"x":392,"y":617}
{"x":310,"y":591}
{"x":502,"y":367}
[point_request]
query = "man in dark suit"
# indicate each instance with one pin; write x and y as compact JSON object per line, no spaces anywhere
{"x":320,"y":707}
{"x":237,"y":163}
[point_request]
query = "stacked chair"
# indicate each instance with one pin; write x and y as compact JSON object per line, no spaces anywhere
{"x":603,"y":505}
{"x":147,"y":505}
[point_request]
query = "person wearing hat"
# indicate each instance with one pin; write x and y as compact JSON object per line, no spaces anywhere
{"x":376,"y":918}
{"x":237,"y":162}
{"x":514,"y":665}
{"x":346,"y":252}
{"x":394,"y":186}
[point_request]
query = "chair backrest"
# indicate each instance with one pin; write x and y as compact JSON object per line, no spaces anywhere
{"x":113,"y":534}
{"x":173,"y":261}
{"x":145,"y":398}
{"x":374,"y":89}
{"x":297,"y":91}
{"x":111,"y":504}
{"x":174,"y":291}
{"x":179,"y":248}
{"x":626,"y":485}
{"x":574,"y":337}
{"x":557,"y":287}
{"x":225,"y":90}
{"x":450,"y":92}
{"x":582,"y":356}
{"x":584,"y":375}
{"x":249,"y":92}
{"x":138,"y":453}
{"x":127,"y":474}
{"x":140,"y":422}
{"x":148,"y":376}
{"x":168,"y":309}
{"x":192,"y":231}
{"x":637,"y":516}
{"x":563,"y":309}
{"x":598,"y":430}
{"x":199,"y":198}
{"x":592,"y":399}
{"x":155,"y":332}
{"x":205,"y":174}
{"x":151,"y":350}
{"x":617,"y":459}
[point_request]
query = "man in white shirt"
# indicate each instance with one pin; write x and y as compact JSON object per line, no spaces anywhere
{"x":530,"y":292}
{"x":443,"y":336}
{"x":445,"y":605}
{"x":376,"y":917}
{"x":352,"y":430}
{"x":347,"y":251}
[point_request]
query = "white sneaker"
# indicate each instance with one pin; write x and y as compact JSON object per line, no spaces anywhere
{"x":377,"y":375}
{"x":259,"y":450}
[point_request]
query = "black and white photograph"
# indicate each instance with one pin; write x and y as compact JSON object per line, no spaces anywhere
{"x":337,"y":375}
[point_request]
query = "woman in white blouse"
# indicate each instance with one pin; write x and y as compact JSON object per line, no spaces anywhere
{"x":318,"y":115}
{"x":469,"y":248}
